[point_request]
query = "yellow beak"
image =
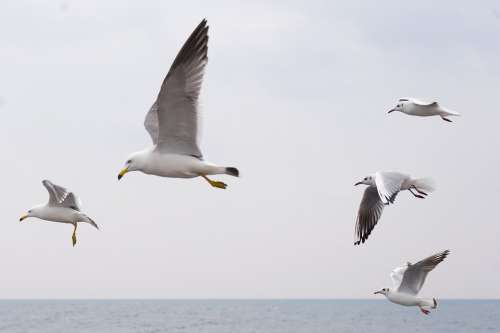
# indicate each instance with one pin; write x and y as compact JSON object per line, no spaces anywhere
{"x":23,"y":217}
{"x":122,"y":172}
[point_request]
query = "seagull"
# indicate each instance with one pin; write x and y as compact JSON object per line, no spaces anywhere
{"x":383,"y":187}
{"x":415,"y":107}
{"x":63,"y":206}
{"x":172,"y":121}
{"x":408,"y":280}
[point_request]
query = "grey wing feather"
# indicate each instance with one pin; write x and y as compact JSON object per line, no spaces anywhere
{"x":59,"y":196}
{"x":151,"y":122}
{"x":415,"y":275}
{"x":178,"y":98}
{"x":369,"y":213}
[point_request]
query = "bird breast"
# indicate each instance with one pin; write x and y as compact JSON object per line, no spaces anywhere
{"x":403,"y":299}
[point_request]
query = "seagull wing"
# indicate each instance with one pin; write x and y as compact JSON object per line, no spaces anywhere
{"x":151,"y":122}
{"x":414,"y":276}
{"x":423,"y":103}
{"x":397,"y":276}
{"x":177,"y":103}
{"x":59,"y":196}
{"x":369,"y":213}
{"x":389,"y":185}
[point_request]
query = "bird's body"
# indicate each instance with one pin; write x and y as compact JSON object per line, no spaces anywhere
{"x":172,"y":121}
{"x":383,"y":187}
{"x":176,"y":165}
{"x":408,"y":280}
{"x":63,"y":207}
{"x":409,"y":300}
{"x":415,"y":107}
{"x":59,"y":214}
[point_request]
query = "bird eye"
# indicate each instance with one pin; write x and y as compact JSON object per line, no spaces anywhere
{"x":29,"y":211}
{"x":129,"y":161}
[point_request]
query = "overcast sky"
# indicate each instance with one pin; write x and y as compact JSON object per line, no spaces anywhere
{"x":296,"y":96}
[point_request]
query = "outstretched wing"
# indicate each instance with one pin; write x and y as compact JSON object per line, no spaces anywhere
{"x":397,"y":276}
{"x":59,"y":196}
{"x":389,"y":185}
{"x":414,"y":276}
{"x":177,"y":103}
{"x":369,"y":212}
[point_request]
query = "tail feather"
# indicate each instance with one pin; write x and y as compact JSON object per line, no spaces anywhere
{"x":91,"y":222}
{"x":430,"y":303}
{"x":424,"y":184}
{"x":232,"y":171}
{"x":452,"y":113}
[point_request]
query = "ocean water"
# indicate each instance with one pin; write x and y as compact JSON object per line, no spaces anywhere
{"x":234,"y":316}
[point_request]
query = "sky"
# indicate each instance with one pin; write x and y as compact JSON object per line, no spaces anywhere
{"x":295,"y":95}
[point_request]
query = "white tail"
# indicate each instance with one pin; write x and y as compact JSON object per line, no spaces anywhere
{"x":452,"y":113}
{"x":428,"y":302}
{"x":87,"y":219}
{"x":424,"y":184}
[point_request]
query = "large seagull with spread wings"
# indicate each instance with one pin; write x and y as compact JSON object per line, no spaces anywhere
{"x":172,"y":121}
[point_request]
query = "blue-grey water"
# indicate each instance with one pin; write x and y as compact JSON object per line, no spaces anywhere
{"x":234,"y":316}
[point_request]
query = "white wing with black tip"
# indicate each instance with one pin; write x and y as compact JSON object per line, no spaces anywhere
{"x":414,"y":275}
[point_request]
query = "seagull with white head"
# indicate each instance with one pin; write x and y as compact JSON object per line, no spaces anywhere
{"x":172,"y":121}
{"x":414,"y":107}
{"x":63,"y":206}
{"x":383,"y":187}
{"x":409,"y":279}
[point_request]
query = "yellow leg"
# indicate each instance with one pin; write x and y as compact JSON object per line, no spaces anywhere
{"x":214,"y":183}
{"x":74,"y":235}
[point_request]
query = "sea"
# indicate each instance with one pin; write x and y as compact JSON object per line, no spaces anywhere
{"x":235,"y":316}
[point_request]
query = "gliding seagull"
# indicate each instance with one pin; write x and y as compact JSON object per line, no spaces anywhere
{"x":172,"y":121}
{"x":383,"y":187}
{"x":415,"y":107}
{"x":63,"y":206}
{"x":408,"y":280}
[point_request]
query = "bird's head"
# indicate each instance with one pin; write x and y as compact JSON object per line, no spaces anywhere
{"x":384,"y":291}
{"x":368,"y":180}
{"x":32,"y":212}
{"x":134,"y":162}
{"x":400,"y":106}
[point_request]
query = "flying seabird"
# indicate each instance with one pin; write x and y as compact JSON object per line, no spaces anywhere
{"x":172,"y":121}
{"x":408,"y":280}
{"x":383,"y":187}
{"x":63,"y":206}
{"x":415,"y":107}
